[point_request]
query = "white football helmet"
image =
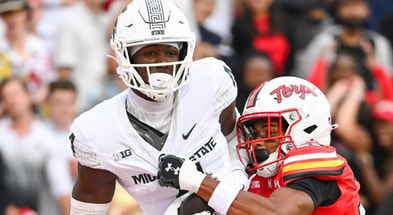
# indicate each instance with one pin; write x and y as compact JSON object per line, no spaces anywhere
{"x":148,"y":22}
{"x":303,"y":113}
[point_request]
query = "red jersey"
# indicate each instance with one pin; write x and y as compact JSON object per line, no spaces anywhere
{"x":264,"y":186}
{"x":321,"y":162}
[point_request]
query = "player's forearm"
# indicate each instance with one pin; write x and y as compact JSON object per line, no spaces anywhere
{"x":250,"y":203}
{"x":244,"y":202}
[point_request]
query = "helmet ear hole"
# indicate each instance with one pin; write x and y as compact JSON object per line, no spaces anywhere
{"x":183,"y":51}
{"x":310,"y":129}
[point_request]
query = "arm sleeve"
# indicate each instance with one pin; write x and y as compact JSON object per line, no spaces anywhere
{"x":322,"y":192}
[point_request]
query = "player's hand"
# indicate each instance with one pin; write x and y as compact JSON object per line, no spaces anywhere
{"x":169,"y":169}
{"x":179,"y":173}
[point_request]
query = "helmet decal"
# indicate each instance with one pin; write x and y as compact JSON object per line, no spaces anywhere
{"x":287,"y":91}
{"x":156,"y":17}
{"x":252,"y":98}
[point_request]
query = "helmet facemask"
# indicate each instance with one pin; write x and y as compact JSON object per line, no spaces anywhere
{"x":265,"y":147}
{"x":158,"y":85}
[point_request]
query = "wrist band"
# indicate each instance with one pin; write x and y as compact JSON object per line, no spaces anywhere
{"x":223,"y":196}
{"x":189,"y":177}
{"x":78,"y":207}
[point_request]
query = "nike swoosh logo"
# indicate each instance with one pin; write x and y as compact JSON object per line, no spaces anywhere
{"x":185,"y":136}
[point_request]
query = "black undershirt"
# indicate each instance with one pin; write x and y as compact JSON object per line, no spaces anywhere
{"x":322,"y":192}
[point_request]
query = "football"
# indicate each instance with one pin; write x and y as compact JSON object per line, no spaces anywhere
{"x":194,"y":205}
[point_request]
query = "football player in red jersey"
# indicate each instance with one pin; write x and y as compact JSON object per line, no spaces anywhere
{"x":284,"y":138}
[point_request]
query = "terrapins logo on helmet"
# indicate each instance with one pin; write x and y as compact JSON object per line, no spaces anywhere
{"x":156,"y":17}
{"x":287,"y":91}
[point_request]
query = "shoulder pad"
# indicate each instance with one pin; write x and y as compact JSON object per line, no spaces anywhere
{"x":312,"y":161}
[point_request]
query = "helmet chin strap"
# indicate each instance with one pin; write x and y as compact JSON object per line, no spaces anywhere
{"x":262,"y":156}
{"x":158,"y":82}
{"x":271,"y":169}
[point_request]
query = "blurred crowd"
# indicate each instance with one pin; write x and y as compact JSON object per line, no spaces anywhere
{"x":54,"y":66}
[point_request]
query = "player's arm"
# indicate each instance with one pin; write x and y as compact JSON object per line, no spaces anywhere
{"x":296,"y":202}
{"x":228,"y":119}
{"x":227,"y":198}
{"x":93,"y":191}
{"x":225,"y":89}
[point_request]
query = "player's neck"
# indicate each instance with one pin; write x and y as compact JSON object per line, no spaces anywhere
{"x":148,"y":106}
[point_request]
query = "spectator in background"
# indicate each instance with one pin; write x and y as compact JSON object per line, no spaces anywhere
{"x":208,"y":40}
{"x":3,"y":186}
{"x":111,"y":82}
{"x":377,"y":171}
{"x":51,"y":14}
{"x":330,"y":7}
{"x":379,"y":9}
{"x":303,"y":20}
{"x":332,"y":60}
{"x":385,"y":26}
{"x":81,"y":49}
{"x":260,"y":27}
{"x":256,"y":69}
{"x":25,"y":144}
{"x":210,"y":43}
{"x":349,"y":35}
{"x":61,"y":165}
{"x":387,"y":207}
{"x":345,"y":91}
{"x":218,"y":22}
{"x":5,"y":66}
{"x":30,"y":59}
{"x":34,"y":14}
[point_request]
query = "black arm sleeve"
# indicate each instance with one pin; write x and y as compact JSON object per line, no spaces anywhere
{"x":322,"y":192}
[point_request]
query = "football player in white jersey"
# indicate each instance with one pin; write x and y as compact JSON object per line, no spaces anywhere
{"x":174,"y":105}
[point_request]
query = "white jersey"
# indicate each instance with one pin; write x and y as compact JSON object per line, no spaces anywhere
{"x":105,"y":139}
